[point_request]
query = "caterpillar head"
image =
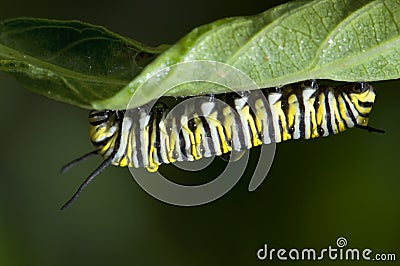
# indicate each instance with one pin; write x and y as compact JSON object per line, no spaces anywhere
{"x":362,"y":95}
{"x":103,"y":130}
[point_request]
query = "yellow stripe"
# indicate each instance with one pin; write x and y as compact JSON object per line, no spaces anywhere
{"x":321,"y":110}
{"x":171,"y":144}
{"x":224,"y":142}
{"x":129,"y":148}
{"x":309,"y":105}
{"x":342,"y":126}
{"x":152,"y":166}
{"x":228,"y":122}
{"x":97,"y":133}
{"x":214,"y":123}
{"x":123,"y":162}
{"x":292,"y":112}
{"x":108,"y":145}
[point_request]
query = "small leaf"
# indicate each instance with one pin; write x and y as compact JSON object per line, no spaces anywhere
{"x":342,"y":40}
{"x":70,"y":61}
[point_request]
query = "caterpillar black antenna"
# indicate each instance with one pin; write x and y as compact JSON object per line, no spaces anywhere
{"x":371,"y":129}
{"x":107,"y":162}
{"x":84,"y":157}
{"x":85,"y":183}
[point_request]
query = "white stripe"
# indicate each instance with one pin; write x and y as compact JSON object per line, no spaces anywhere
{"x":134,"y":144}
{"x":143,"y":149}
{"x":309,"y":112}
{"x":332,"y":99}
{"x":273,"y":99}
{"x":125,"y":128}
{"x":297,"y":117}
{"x":109,"y":132}
{"x":262,"y":116}
{"x":164,"y":140}
{"x":206,"y":108}
{"x":324,"y":124}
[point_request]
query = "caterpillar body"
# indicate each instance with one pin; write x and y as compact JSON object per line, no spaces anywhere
{"x":150,"y":136}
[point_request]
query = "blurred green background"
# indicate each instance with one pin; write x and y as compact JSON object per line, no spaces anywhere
{"x":345,"y":185}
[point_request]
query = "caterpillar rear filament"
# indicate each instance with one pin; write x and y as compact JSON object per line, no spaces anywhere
{"x":148,"y":137}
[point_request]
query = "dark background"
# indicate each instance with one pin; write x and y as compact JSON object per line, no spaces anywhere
{"x":345,"y":185}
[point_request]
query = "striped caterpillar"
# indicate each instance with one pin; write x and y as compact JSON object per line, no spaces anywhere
{"x":149,"y":136}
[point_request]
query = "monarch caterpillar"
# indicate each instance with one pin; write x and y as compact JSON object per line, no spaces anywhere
{"x":143,"y":137}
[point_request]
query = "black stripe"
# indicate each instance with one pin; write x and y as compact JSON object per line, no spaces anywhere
{"x":363,"y":115}
{"x":208,"y":133}
{"x":365,"y":104}
{"x":321,"y":131}
{"x":158,"y":141}
{"x":337,"y":125}
{"x":182,"y":145}
{"x":104,"y":141}
{"x":292,"y":129}
{"x":159,"y":111}
{"x":150,"y":133}
{"x":100,"y":113}
{"x":98,"y":122}
{"x":280,"y":128}
{"x":192,"y":126}
{"x":302,"y":109}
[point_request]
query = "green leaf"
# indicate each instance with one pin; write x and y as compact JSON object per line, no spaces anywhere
{"x":325,"y":39}
{"x":70,"y":61}
{"x":88,"y":66}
